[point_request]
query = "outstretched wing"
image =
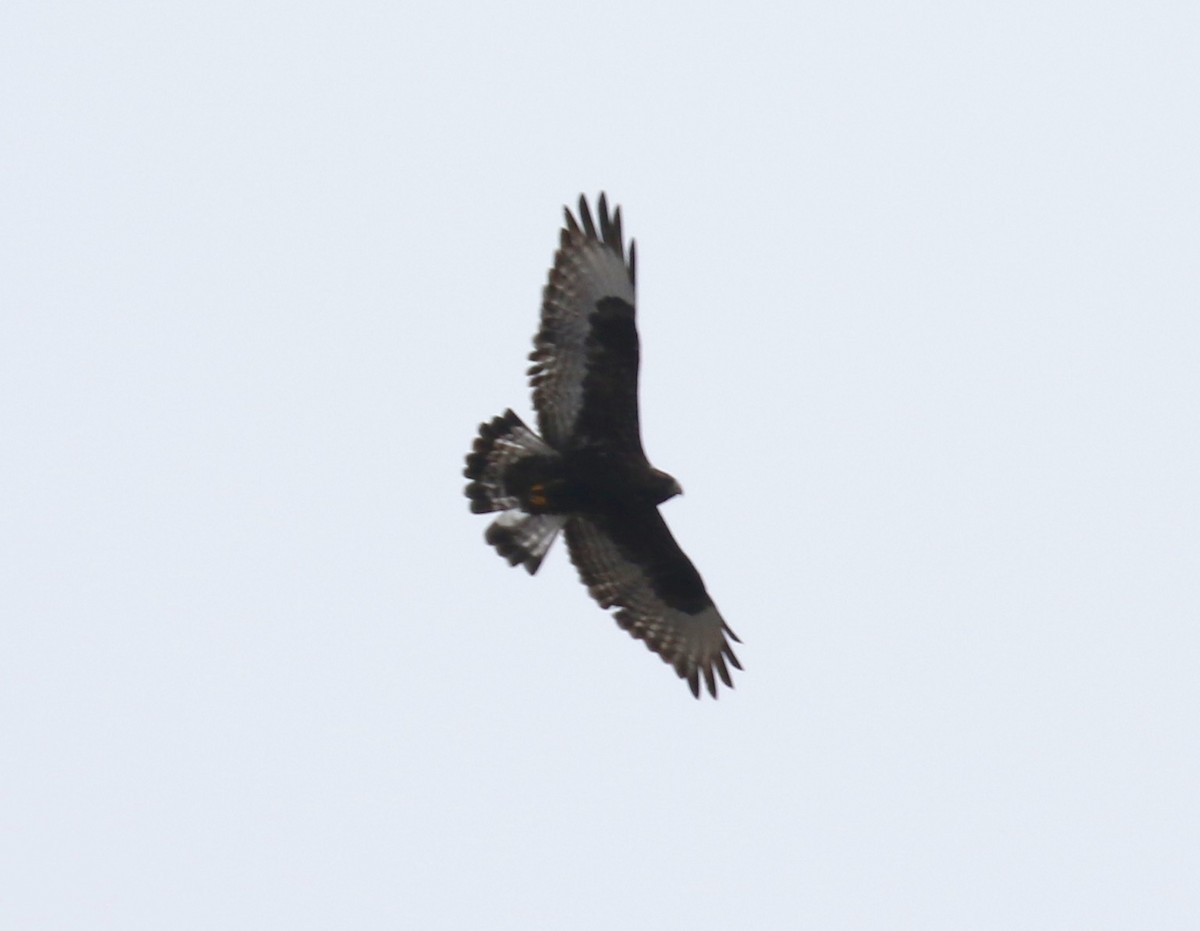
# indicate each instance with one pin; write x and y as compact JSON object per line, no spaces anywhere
{"x":585,"y":358}
{"x":631,"y":562}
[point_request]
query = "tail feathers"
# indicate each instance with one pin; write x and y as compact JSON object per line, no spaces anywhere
{"x":523,"y":539}
{"x":518,"y":536}
{"x":500,"y":443}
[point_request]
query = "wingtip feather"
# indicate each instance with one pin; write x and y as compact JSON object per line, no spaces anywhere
{"x":723,"y":671}
{"x":585,"y":217}
{"x":571,"y":227}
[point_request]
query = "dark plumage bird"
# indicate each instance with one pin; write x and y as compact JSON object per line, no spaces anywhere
{"x":587,"y":474}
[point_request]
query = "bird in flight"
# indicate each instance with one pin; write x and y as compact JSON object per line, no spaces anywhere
{"x":587,"y":474}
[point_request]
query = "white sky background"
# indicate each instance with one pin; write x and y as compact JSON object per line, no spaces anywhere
{"x":918,"y":290}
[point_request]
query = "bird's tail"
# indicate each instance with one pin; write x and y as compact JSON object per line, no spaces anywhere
{"x":520,"y":537}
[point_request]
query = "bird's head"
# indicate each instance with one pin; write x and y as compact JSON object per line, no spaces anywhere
{"x":665,"y":486}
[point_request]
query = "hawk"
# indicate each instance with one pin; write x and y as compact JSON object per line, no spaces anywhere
{"x":586,"y":474}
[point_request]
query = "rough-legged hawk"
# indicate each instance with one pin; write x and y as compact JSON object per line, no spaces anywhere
{"x":587,"y":473}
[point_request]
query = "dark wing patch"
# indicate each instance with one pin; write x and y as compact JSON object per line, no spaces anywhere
{"x":585,"y":355}
{"x":609,"y":414}
{"x":632,"y":563}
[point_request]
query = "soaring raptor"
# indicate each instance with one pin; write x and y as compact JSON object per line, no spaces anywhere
{"x":587,"y":474}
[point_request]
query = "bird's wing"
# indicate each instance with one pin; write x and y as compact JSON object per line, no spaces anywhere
{"x":630,"y":561}
{"x":585,"y":358}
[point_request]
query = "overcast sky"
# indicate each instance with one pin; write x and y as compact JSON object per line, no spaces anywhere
{"x":919,"y":298}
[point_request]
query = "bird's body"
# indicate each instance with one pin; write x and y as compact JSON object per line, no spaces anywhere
{"x":587,"y":474}
{"x":588,"y":480}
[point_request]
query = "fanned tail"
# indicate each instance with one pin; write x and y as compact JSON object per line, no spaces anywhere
{"x":520,"y":537}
